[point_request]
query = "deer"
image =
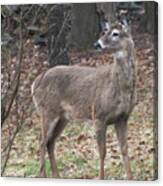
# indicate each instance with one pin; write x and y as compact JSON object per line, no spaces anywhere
{"x":104,"y":95}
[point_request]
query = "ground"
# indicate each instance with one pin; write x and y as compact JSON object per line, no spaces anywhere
{"x":76,"y":149}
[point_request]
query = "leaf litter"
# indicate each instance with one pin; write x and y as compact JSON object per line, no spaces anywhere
{"x":76,"y":149}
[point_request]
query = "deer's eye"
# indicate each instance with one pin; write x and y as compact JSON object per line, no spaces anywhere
{"x":115,"y":34}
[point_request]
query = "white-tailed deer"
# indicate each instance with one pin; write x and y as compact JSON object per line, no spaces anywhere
{"x":105,"y":94}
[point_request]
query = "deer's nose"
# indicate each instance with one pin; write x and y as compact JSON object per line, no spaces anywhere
{"x":97,"y":45}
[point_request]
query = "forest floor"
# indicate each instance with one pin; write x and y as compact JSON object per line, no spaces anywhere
{"x":76,"y":150}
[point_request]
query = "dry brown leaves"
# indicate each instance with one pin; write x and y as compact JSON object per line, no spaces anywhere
{"x":77,"y":154}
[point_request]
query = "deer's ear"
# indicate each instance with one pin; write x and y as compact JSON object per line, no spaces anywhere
{"x":105,"y":26}
{"x":125,"y":27}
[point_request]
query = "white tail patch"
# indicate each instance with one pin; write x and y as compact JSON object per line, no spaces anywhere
{"x":33,"y":97}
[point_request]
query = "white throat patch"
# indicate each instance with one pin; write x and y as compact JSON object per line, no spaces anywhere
{"x":121,"y":54}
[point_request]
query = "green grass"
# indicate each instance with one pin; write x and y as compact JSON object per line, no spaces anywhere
{"x":32,"y":168}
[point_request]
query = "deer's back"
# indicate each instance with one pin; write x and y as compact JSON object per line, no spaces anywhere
{"x":79,"y":91}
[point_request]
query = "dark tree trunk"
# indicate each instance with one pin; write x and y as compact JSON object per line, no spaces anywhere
{"x":57,"y":31}
{"x":148,"y":22}
{"x":85,"y":25}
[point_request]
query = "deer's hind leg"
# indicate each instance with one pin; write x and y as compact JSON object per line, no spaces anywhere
{"x":43,"y":148}
{"x":48,"y":124}
{"x":53,"y":133}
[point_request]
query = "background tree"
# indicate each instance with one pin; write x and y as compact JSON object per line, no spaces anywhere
{"x":85,"y":25}
{"x":148,"y":21}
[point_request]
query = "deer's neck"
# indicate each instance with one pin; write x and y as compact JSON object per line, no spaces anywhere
{"x":124,"y":71}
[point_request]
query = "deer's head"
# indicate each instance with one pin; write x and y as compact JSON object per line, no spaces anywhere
{"x":114,"y":38}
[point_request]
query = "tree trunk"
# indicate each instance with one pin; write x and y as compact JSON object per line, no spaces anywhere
{"x":85,"y":26}
{"x":149,"y":22}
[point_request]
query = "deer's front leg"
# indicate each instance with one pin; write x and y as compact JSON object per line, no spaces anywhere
{"x":101,"y":142}
{"x":121,"y":130}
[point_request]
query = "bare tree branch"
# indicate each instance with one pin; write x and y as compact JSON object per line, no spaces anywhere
{"x":10,"y":142}
{"x":17,"y":80}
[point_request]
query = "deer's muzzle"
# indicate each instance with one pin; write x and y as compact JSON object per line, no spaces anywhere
{"x":97,"y":45}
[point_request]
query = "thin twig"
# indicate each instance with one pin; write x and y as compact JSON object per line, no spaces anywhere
{"x":29,"y":11}
{"x":60,"y":33}
{"x":61,"y":30}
